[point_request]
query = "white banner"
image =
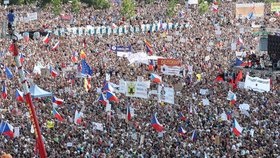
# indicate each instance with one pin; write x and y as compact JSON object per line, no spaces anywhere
{"x":32,"y":16}
{"x":137,"y":89}
{"x":172,"y":70}
{"x":192,"y":1}
{"x":257,"y":84}
{"x":166,"y":94}
{"x":122,"y":88}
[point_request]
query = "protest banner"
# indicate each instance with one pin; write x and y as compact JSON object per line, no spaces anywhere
{"x":168,"y":62}
{"x":257,"y":84}
{"x":172,"y":70}
{"x":32,"y":16}
{"x":166,"y":94}
{"x":243,"y":10}
{"x":275,"y":7}
{"x":192,"y":1}
{"x":137,"y":89}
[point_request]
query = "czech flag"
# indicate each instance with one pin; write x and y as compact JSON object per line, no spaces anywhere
{"x":237,"y":129}
{"x":149,"y":50}
{"x":57,"y":101}
{"x":111,"y":96}
{"x":108,"y":87}
{"x":194,"y":136}
{"x":102,"y":100}
{"x":6,"y":129}
{"x":239,"y":41}
{"x":155,"y":78}
{"x":47,"y":38}
{"x":151,"y":65}
{"x":239,"y":62}
{"x":21,"y":58}
{"x":53,"y":72}
{"x":128,"y":114}
{"x":9,"y":74}
{"x":233,"y":99}
{"x":57,"y":115}
{"x":56,"y":46}
{"x":182,"y":117}
{"x":155,"y":124}
{"x":4,"y":92}
{"x":229,"y":115}
{"x":181,"y":130}
{"x":78,"y":117}
{"x":215,"y":8}
{"x":84,"y":43}
{"x":19,"y":96}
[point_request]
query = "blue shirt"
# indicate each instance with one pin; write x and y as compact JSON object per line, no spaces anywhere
{"x":11,"y":17}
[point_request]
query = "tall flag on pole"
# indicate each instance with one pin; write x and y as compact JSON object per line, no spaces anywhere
{"x":57,"y":101}
{"x":102,"y":100}
{"x":128,"y":113}
{"x":237,"y":129}
{"x":181,"y":130}
{"x":111,"y":97}
{"x":151,"y":65}
{"x":57,"y":115}
{"x":6,"y":129}
{"x":78,"y":117}
{"x":56,"y":46}
{"x":194,"y":135}
{"x":155,"y":78}
{"x":21,"y":58}
{"x":86,"y":70}
{"x":4,"y":92}
{"x":19,"y":96}
{"x":155,"y":124}
{"x":47,"y":38}
{"x":8,"y":73}
{"x":53,"y":72}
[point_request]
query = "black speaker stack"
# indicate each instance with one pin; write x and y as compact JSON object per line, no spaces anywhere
{"x":273,"y":49}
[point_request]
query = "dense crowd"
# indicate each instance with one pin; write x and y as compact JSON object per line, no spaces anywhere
{"x":120,"y":137}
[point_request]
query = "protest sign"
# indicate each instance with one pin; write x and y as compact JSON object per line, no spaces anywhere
{"x":166,"y":94}
{"x":192,"y":1}
{"x":137,"y":89}
{"x":168,"y":62}
{"x":275,"y":7}
{"x":32,"y":16}
{"x":97,"y":126}
{"x":122,"y":87}
{"x":243,"y":10}
{"x":257,"y":84}
{"x":203,"y":91}
{"x":172,"y":70}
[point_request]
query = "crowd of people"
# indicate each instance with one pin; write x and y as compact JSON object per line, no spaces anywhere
{"x":121,"y":137}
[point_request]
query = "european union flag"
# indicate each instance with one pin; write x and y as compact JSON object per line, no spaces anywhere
{"x":86,"y":70}
{"x":9,"y":73}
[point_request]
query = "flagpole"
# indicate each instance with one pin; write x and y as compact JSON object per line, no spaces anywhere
{"x":32,"y":111}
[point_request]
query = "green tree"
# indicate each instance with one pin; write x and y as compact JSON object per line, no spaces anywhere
{"x":76,"y":4}
{"x":97,"y":4}
{"x":171,"y":9}
{"x":128,"y":8}
{"x":203,"y":7}
{"x":56,"y":6}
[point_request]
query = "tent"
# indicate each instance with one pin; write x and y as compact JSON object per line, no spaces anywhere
{"x":37,"y":92}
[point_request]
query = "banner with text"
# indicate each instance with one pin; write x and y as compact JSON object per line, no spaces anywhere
{"x":257,"y":84}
